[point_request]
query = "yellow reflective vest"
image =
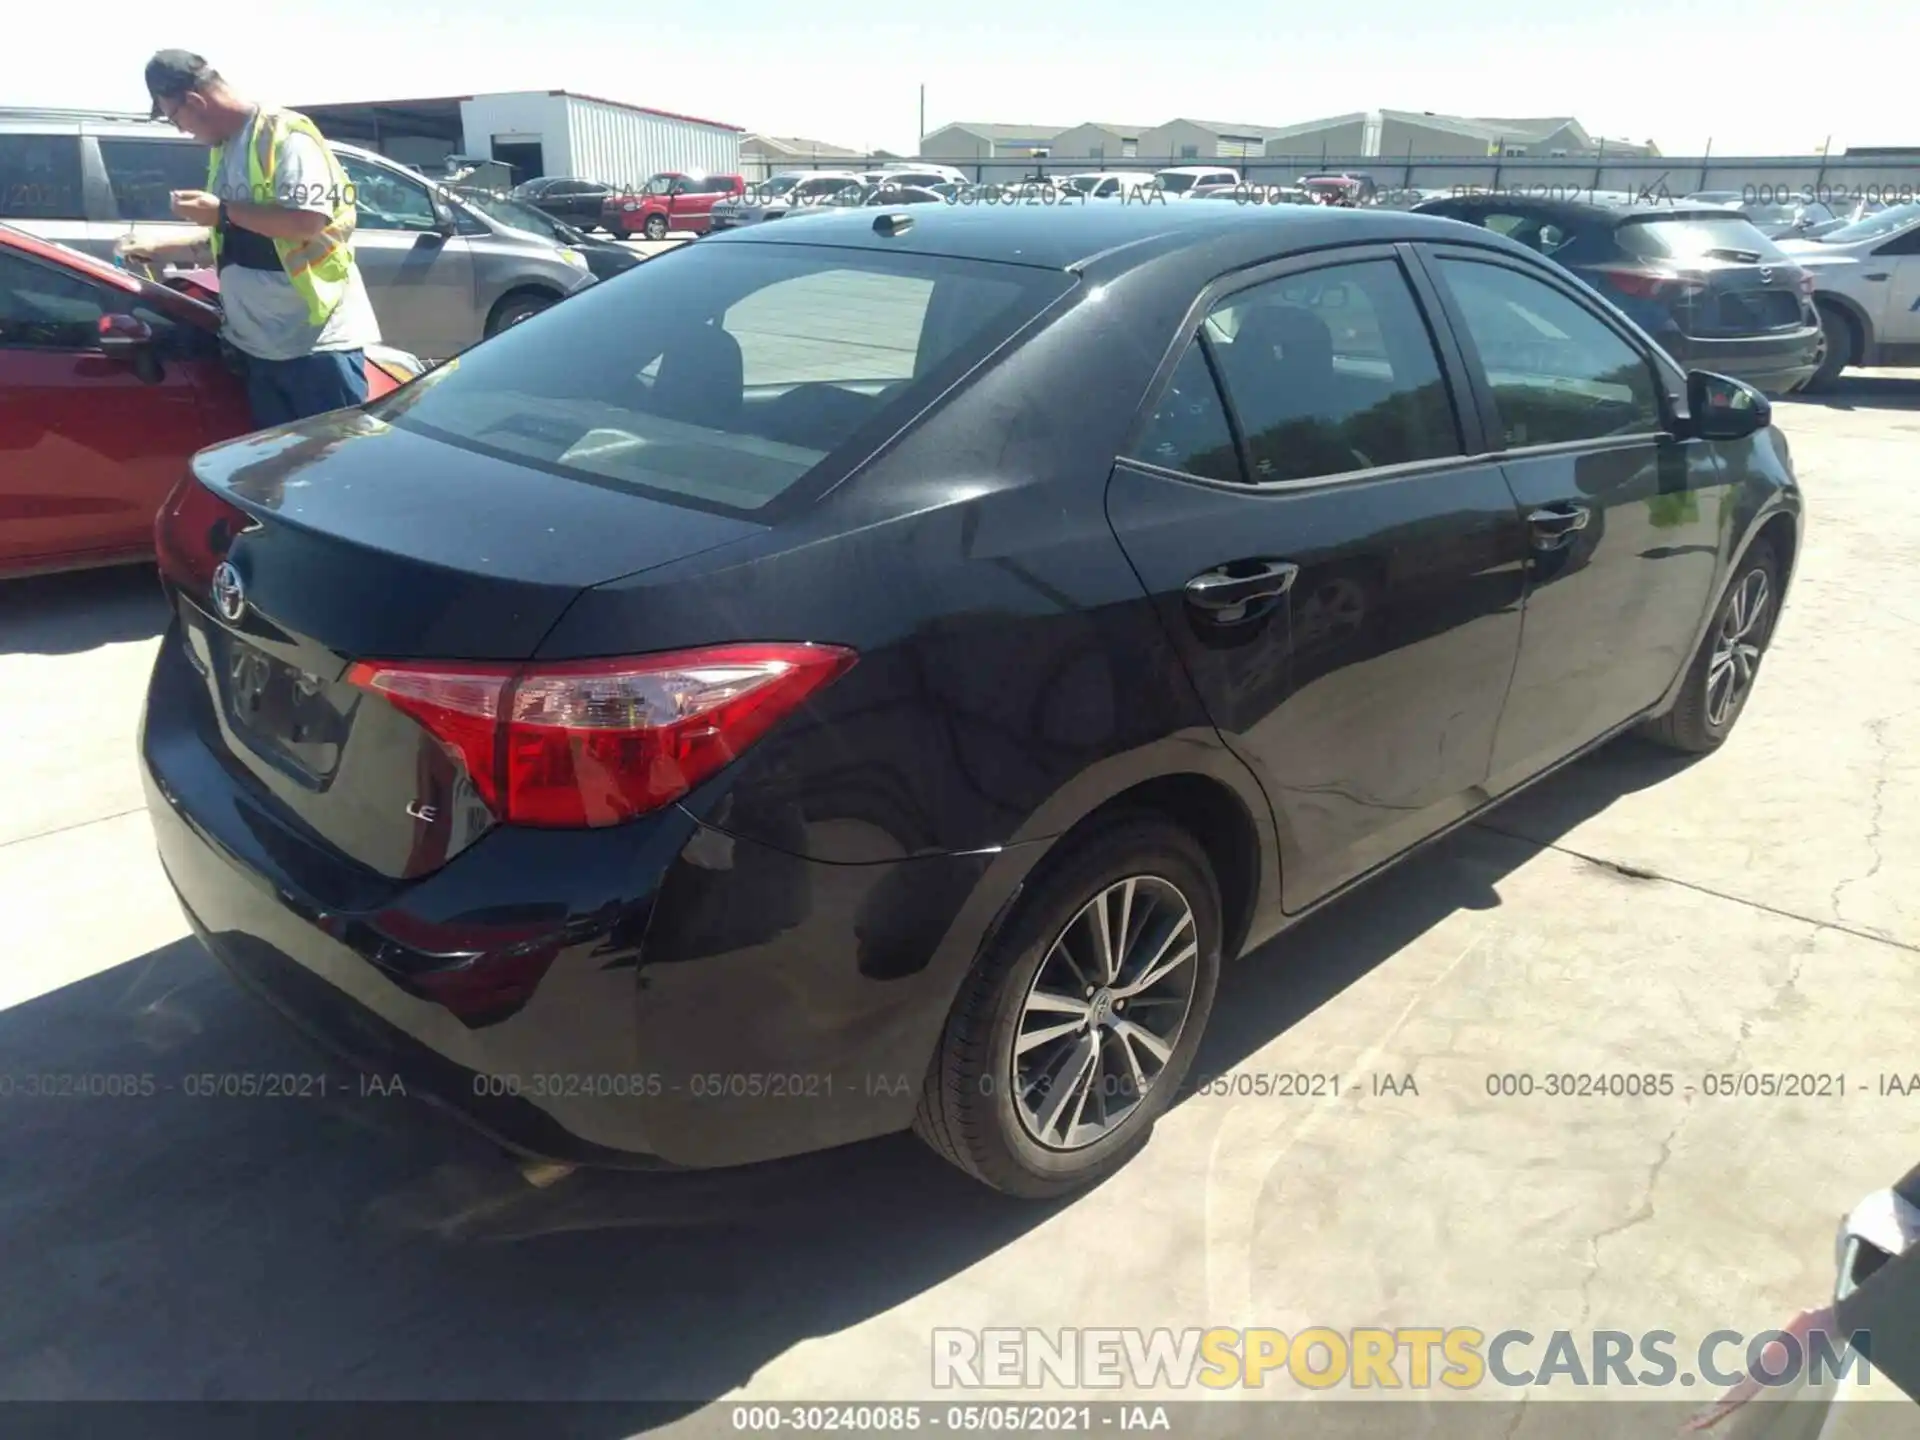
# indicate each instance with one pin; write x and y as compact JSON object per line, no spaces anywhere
{"x":319,"y":268}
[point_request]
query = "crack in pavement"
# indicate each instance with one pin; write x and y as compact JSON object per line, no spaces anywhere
{"x":1644,"y":1210}
{"x":1876,"y":812}
{"x":76,"y":825}
{"x":1638,"y":873}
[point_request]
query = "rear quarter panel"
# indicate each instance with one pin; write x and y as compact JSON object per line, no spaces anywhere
{"x":1012,"y":675}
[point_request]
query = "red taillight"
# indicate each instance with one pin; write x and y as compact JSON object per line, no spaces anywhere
{"x":598,"y":742}
{"x":1651,"y":284}
{"x":192,"y":533}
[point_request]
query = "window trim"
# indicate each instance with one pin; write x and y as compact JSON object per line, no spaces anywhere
{"x":1671,"y":401}
{"x":1453,"y":373}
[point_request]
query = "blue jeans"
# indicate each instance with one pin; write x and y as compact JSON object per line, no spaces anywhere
{"x":282,"y":391}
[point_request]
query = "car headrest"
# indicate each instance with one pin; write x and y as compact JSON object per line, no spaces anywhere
{"x":702,"y":377}
{"x":1302,"y":338}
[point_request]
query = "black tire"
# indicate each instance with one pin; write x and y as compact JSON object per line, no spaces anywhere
{"x":967,"y":1112}
{"x":655,"y":228}
{"x":1689,"y":725}
{"x":1836,"y":334}
{"x":513,"y":309}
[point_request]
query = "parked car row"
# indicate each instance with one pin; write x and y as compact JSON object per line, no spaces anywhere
{"x":108,"y":383}
{"x":441,"y":272}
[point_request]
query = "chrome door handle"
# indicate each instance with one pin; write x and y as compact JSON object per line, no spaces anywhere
{"x":1224,"y":589}
{"x":1554,"y":528}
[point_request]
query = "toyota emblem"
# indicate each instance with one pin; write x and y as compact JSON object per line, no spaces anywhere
{"x":229,"y":595}
{"x":1766,"y":274}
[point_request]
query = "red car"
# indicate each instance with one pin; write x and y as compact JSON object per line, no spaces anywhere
{"x":671,"y":200}
{"x":107,"y":384}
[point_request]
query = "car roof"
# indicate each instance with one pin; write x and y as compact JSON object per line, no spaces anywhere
{"x":1597,"y":206}
{"x":1109,"y":239}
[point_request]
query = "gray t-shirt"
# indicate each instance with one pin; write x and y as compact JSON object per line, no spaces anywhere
{"x":265,"y":316}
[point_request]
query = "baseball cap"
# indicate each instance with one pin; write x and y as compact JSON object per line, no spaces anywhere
{"x":172,"y":73}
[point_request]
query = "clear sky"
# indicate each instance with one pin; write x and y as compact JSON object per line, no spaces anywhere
{"x":1758,"y":76}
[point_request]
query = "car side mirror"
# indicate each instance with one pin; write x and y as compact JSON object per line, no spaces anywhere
{"x":128,"y":340}
{"x":1722,"y":408}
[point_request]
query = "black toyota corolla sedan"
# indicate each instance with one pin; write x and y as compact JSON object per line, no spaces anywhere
{"x":870,"y":674}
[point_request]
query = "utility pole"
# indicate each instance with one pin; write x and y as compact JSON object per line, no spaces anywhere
{"x":921,"y":144}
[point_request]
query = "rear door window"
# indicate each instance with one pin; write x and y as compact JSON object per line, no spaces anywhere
{"x":730,"y":376}
{"x":142,"y":174}
{"x":40,"y":178}
{"x":1333,"y":370}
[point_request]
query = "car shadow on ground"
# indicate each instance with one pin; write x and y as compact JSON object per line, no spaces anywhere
{"x":164,"y":1243}
{"x":80,"y":610}
{"x":1878,"y":391}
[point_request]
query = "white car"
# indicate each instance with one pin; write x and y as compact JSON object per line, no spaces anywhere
{"x":1866,"y":279}
{"x":1182,"y":180}
{"x":1249,"y":192}
{"x":772,"y":198}
{"x":913,"y":172}
{"x":1111,"y":184}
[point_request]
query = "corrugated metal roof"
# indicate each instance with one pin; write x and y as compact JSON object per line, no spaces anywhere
{"x":1003,"y":132}
{"x":643,"y":110}
{"x":1309,"y":127}
{"x":798,"y":145}
{"x":1222,"y":127}
{"x":1535,"y":129}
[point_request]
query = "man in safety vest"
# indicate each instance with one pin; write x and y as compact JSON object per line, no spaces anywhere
{"x":279,"y":217}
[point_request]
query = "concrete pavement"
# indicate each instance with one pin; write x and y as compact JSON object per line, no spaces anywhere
{"x":1753,"y":912}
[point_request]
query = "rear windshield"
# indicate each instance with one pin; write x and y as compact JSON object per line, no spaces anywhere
{"x":1886,"y":222}
{"x":825,"y":185}
{"x":724,"y":374}
{"x":1696,"y":237}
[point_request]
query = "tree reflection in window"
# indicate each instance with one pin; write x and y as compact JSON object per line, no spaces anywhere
{"x":1189,"y":430}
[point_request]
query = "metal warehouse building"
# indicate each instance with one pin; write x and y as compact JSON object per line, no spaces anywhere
{"x":537,"y":132}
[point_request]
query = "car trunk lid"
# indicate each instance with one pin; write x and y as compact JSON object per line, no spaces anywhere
{"x":292,"y":554}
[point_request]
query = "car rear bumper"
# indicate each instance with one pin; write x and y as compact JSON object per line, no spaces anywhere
{"x":707,"y":1001}
{"x":1774,"y":363}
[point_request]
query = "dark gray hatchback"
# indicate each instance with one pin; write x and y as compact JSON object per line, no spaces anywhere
{"x":1701,"y":280}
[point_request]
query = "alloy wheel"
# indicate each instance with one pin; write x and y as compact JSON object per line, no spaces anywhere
{"x":1736,"y":649}
{"x":1105,"y":1012}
